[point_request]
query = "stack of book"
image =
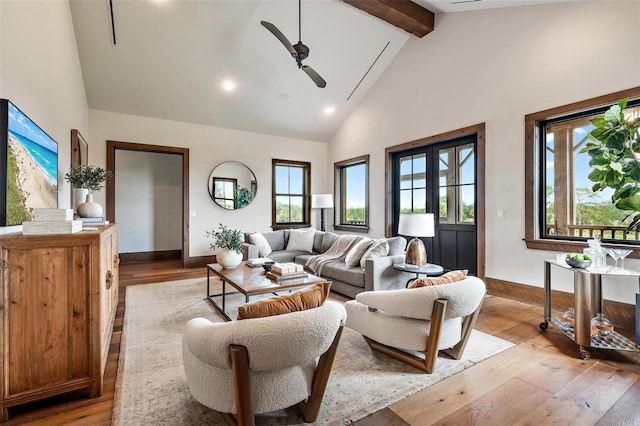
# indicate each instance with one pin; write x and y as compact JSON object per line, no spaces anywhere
{"x":93,"y":221}
{"x":52,"y":221}
{"x":257,"y":261}
{"x":286,"y":271}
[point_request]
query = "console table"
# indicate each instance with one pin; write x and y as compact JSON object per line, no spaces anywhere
{"x":587,"y":290}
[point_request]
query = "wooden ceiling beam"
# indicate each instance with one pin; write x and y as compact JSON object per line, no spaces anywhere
{"x":403,"y":14}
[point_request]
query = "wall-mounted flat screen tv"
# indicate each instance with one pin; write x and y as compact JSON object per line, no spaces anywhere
{"x":28,"y":167}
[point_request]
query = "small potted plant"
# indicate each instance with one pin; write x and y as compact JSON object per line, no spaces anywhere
{"x":230,"y":244}
{"x":88,"y":178}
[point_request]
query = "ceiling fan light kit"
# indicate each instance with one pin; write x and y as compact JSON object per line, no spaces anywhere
{"x":298,"y":51}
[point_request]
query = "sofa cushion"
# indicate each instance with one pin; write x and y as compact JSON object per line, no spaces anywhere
{"x":301,"y":239}
{"x":301,"y":300}
{"x":275,"y":239}
{"x":328,"y":240}
{"x":379,"y":248}
{"x":397,"y":245}
{"x":285,"y":256}
{"x":264,"y":248}
{"x":449,"y":277}
{"x":355,"y":254}
{"x":340,"y":272}
{"x":317,"y":241}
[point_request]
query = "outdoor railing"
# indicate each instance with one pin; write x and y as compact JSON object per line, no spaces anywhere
{"x":605,"y":232}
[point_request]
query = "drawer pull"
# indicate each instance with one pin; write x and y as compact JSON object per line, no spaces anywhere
{"x":109,"y":279}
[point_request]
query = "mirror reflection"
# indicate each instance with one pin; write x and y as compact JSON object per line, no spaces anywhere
{"x":232,"y":185}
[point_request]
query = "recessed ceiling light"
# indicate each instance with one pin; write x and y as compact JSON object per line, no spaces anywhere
{"x":283,"y":97}
{"x":229,"y":85}
{"x":329,"y":110}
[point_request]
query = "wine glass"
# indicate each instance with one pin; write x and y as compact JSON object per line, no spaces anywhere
{"x":617,"y":254}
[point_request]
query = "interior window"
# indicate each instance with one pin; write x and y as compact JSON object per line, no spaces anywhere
{"x":291,"y":191}
{"x":352,"y":187}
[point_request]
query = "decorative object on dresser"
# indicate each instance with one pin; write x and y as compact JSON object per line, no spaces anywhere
{"x":230,"y":244}
{"x":91,"y":178}
{"x":52,"y":221}
{"x":59,"y":299}
{"x":322,"y":202}
{"x":416,"y":225}
{"x":79,"y":157}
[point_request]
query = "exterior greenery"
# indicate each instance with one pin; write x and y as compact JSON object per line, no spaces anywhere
{"x":226,"y":238}
{"x":614,"y":160}
{"x":88,"y":176}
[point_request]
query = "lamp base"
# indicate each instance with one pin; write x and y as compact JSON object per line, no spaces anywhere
{"x":416,"y":253}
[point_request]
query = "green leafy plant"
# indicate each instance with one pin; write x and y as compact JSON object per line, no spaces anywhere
{"x":615,"y":161}
{"x":88,"y":176}
{"x":226,"y":238}
{"x":243,"y":197}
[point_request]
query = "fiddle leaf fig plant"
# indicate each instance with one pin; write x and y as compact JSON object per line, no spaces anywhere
{"x":615,"y":160}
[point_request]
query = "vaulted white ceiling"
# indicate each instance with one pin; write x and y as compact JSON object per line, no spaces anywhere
{"x":171,"y":58}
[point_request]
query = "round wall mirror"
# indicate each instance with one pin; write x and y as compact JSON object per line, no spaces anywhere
{"x":232,"y":185}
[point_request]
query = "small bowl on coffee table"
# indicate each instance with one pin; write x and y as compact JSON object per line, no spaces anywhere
{"x":267,"y":266}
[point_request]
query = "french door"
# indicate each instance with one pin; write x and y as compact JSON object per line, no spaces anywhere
{"x":442,"y":179}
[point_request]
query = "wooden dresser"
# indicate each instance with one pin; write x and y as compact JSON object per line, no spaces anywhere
{"x":59,"y":299}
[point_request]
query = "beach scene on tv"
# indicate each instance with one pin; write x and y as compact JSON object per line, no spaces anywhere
{"x":32,"y":170}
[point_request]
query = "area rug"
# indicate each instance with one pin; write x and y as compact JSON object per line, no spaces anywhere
{"x":151,"y":386}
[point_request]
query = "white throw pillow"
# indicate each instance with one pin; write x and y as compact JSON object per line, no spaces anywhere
{"x":301,"y":239}
{"x":355,"y":254}
{"x":379,"y":248}
{"x":264,"y":249}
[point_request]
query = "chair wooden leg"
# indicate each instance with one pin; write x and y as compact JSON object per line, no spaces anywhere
{"x":311,"y":408}
{"x":467,"y":326}
{"x":427,"y":364}
{"x":242,"y":384}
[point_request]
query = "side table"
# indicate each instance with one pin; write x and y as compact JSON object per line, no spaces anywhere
{"x":429,"y":270}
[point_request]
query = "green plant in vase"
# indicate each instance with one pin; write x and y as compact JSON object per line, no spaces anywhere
{"x":92,"y":178}
{"x":229,"y":241}
{"x":615,"y":160}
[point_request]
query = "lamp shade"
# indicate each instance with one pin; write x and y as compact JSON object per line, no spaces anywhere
{"x":416,"y":224}
{"x":321,"y":201}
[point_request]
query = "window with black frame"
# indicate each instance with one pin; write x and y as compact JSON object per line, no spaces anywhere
{"x":352,"y":189}
{"x":569,"y":208}
{"x":291,"y":192}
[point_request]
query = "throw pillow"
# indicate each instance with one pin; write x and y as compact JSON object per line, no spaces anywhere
{"x":301,"y":300}
{"x":355,"y":254}
{"x":449,"y":277}
{"x":301,"y":239}
{"x":379,"y":248}
{"x":264,"y":249}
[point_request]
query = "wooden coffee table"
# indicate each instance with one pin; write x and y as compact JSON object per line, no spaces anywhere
{"x":250,"y":282}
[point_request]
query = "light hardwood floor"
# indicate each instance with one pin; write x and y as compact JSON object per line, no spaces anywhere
{"x":539,"y":381}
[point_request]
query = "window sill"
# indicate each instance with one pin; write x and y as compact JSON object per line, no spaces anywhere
{"x":352,"y":228}
{"x":576,"y":246}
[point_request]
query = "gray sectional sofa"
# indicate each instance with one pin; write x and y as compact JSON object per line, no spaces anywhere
{"x":378,"y":272}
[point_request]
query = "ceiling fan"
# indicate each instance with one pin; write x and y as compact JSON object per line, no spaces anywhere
{"x":299,"y":51}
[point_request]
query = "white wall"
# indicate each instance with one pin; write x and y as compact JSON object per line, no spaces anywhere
{"x":40,"y":73}
{"x":208,"y":147}
{"x":148,"y":201}
{"x":495,"y":67}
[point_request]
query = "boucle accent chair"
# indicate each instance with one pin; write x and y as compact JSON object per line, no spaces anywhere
{"x":261,"y":365}
{"x":425,"y":319}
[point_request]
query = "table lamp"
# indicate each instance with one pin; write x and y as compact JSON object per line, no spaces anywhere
{"x":416,"y":225}
{"x":322,"y":202}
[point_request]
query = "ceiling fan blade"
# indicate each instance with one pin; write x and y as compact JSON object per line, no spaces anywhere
{"x":314,"y":76}
{"x":276,"y":32}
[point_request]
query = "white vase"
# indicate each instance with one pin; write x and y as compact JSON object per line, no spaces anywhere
{"x":89,"y":208}
{"x":79,"y":197}
{"x":228,"y":258}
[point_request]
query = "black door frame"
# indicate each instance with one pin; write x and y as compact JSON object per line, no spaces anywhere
{"x":479,"y":132}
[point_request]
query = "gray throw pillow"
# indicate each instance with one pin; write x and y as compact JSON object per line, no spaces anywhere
{"x":397,"y":245}
{"x":328,"y":240}
{"x":275,"y":239}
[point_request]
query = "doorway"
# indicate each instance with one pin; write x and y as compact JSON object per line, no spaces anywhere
{"x":126,"y":151}
{"x":443,"y":175}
